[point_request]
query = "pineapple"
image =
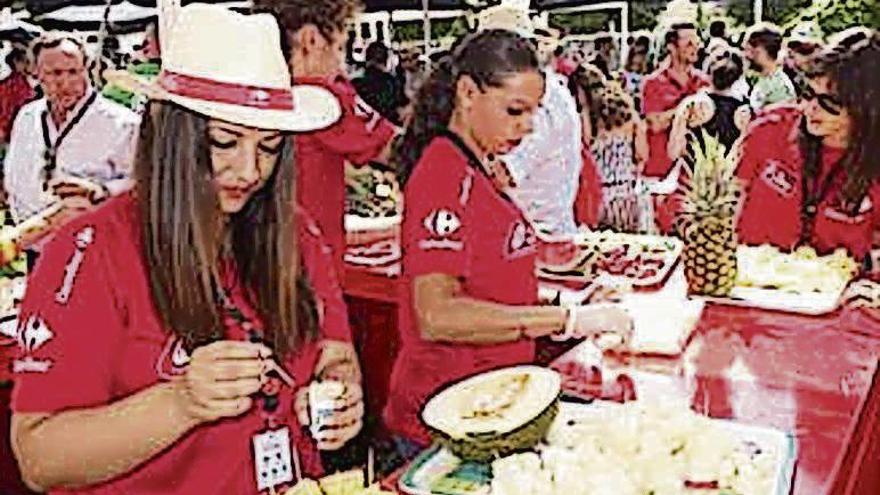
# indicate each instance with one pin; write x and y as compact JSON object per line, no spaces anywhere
{"x":707,"y":222}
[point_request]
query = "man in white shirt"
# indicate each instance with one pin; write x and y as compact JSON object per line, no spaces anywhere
{"x":546,"y":166}
{"x":72,"y":148}
{"x":772,"y":86}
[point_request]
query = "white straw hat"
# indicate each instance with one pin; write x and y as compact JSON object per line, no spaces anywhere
{"x":229,"y":66}
{"x":508,"y":18}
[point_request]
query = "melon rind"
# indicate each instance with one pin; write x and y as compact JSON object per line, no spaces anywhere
{"x":487,"y":447}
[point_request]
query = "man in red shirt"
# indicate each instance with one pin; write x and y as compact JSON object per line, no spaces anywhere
{"x":316,"y":41}
{"x":15,"y":91}
{"x":663,"y":90}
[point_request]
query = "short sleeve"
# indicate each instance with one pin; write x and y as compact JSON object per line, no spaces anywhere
{"x":435,"y":230}
{"x":753,"y":148}
{"x":122,"y":156}
{"x":361,"y":134}
{"x":320,"y":266}
{"x":68,"y":330}
{"x":874,"y":195}
{"x":19,"y":171}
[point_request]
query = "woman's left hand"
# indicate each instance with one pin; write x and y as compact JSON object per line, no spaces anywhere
{"x":342,"y":425}
{"x":338,"y":361}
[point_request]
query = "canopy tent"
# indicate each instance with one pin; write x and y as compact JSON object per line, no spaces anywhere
{"x":389,"y":5}
{"x":88,"y":15}
{"x":13,"y":27}
{"x":121,"y":17}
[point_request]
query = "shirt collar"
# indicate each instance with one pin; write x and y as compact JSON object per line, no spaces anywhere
{"x":693,"y":76}
{"x":73,"y":111}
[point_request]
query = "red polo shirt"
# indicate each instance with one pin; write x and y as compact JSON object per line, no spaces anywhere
{"x":91,"y":336}
{"x":456,"y":223}
{"x":15,"y":91}
{"x":662,"y":92}
{"x":360,"y":135}
{"x":588,"y":202}
{"x":772,"y":172}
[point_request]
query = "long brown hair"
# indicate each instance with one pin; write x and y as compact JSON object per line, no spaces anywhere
{"x":851,"y":65}
{"x":487,"y":57}
{"x":184,"y":233}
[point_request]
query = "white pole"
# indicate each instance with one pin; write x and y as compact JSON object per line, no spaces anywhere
{"x":624,"y":34}
{"x":426,"y":26}
{"x":758,"y":9}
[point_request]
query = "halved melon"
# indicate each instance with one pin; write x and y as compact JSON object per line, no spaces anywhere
{"x":494,"y":414}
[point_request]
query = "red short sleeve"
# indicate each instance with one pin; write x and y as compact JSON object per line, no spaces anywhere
{"x":320,"y":265}
{"x":361,"y":134}
{"x":435,"y":230}
{"x":69,"y":328}
{"x":764,"y":135}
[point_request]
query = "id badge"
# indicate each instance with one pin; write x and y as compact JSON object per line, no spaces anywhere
{"x":272,"y":458}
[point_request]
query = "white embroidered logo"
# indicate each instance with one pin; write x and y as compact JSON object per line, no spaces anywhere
{"x":31,"y":336}
{"x":522,"y":239}
{"x":173,"y":360}
{"x":466,"y":185}
{"x":442,"y":224}
{"x":366,"y":113}
{"x":84,"y":238}
{"x":778,"y":178}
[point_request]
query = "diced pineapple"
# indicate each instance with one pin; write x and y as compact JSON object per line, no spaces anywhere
{"x":305,"y":487}
{"x":344,"y":483}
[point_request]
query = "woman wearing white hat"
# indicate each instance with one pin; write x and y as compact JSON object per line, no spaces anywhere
{"x":167,"y":337}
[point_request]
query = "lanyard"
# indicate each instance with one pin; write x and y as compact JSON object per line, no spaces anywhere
{"x":51,"y":153}
{"x":268,"y":395}
{"x":813,"y":197}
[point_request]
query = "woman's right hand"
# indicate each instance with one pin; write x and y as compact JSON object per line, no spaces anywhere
{"x":220,"y":379}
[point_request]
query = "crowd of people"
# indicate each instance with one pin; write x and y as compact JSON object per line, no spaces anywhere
{"x":186,"y":259}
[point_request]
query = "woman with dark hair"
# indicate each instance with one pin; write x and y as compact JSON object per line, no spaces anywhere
{"x":470,"y":297}
{"x":817,"y":174}
{"x":637,"y":67}
{"x":719,"y":110}
{"x":170,"y":337}
{"x":586,"y":85}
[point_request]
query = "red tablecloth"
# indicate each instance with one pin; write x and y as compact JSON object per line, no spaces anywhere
{"x":813,"y":376}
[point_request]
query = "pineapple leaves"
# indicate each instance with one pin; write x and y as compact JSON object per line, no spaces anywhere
{"x":712,"y":189}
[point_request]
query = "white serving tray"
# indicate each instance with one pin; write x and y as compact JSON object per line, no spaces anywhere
{"x":812,"y":304}
{"x":615,"y":239}
{"x":355,"y":223}
{"x":435,"y":463}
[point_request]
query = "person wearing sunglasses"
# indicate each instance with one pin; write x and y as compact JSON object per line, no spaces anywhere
{"x":810,"y":173}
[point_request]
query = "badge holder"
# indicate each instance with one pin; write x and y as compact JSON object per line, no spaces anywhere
{"x":276,"y":460}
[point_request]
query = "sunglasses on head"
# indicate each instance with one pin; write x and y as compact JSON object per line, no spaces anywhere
{"x":828,"y":102}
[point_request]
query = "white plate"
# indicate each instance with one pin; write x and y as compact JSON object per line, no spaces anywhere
{"x":812,"y":304}
{"x":355,"y":223}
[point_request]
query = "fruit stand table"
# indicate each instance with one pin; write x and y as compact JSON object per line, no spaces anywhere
{"x":816,"y":377}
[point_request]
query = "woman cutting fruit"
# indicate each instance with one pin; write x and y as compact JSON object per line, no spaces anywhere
{"x":168,"y":338}
{"x":470,"y":293}
{"x":816,"y":172}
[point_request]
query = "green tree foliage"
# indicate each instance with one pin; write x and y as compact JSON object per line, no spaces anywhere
{"x":583,"y":22}
{"x":832,"y":15}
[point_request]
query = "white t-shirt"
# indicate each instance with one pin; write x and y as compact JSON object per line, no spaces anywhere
{"x":100,"y":148}
{"x":546,"y":166}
